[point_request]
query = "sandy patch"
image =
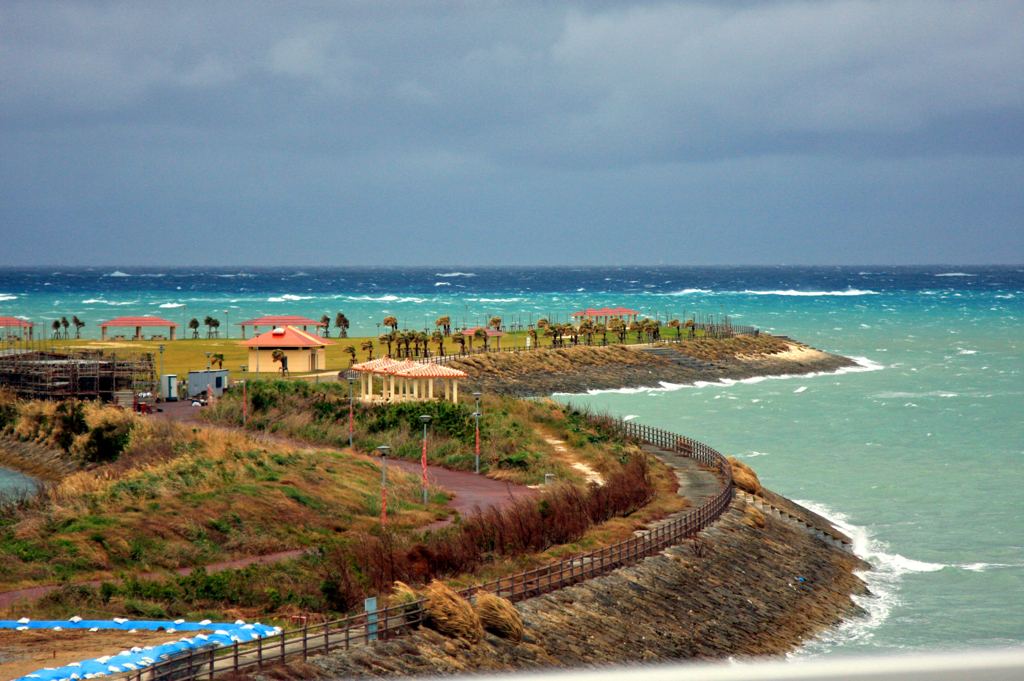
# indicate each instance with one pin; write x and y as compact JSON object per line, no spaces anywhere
{"x":589,"y":474}
{"x":25,"y":652}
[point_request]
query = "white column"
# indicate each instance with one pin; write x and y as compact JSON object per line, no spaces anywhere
{"x":455,"y":391}
{"x":430,"y":387}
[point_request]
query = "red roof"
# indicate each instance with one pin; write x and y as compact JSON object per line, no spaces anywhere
{"x":286,"y":337}
{"x":281,"y":320}
{"x":489,"y":332}
{"x":139,"y":321}
{"x":14,"y":321}
{"x":590,"y":312}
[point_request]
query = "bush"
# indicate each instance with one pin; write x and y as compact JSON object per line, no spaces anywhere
{"x":106,"y":442}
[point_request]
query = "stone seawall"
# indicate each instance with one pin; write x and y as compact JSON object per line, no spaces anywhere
{"x":751,"y":585}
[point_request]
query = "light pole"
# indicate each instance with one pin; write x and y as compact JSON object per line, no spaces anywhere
{"x":161,"y":346}
{"x":477,"y":414}
{"x":245,"y":400}
{"x":227,"y":323}
{"x":208,"y":360}
{"x":425,"y":418}
{"x":378,"y":340}
{"x":351,"y":412}
{"x":383,"y":449}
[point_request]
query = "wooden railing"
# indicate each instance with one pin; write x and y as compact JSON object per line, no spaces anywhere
{"x":388,"y":622}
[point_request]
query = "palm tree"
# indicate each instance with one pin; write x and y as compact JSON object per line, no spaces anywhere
{"x":688,"y":324}
{"x":495,"y":323}
{"x":481,"y":335}
{"x":460,"y":340}
{"x":388,"y":338}
{"x":445,"y":322}
{"x":549,"y":332}
{"x":587,"y":329}
{"x":532,"y":333}
{"x":56,"y":328}
{"x":65,"y":324}
{"x":279,"y":356}
{"x":215,"y":323}
{"x":351,"y":350}
{"x":391,"y":321}
{"x":194,"y":325}
{"x":78,"y":324}
{"x":422,"y":339}
{"x":218,"y":359}
{"x":407,"y":338}
{"x":438,"y":338}
{"x":674,"y":324}
{"x":603,"y":330}
{"x":208,"y":322}
{"x":341,"y":321}
{"x":367,"y":347}
{"x":542,"y":323}
{"x":325,"y":321}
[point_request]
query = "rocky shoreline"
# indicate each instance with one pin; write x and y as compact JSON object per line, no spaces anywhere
{"x":752,"y":585}
{"x":637,"y":368}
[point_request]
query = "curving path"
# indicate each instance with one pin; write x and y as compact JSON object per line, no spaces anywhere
{"x":470,"y":492}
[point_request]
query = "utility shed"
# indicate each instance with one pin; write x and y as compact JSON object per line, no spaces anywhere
{"x":303,"y":351}
{"x":214,"y":379}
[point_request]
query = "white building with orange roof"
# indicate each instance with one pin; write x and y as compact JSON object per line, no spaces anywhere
{"x":303,"y":351}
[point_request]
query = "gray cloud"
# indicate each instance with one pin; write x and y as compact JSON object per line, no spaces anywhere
{"x":338,"y":118}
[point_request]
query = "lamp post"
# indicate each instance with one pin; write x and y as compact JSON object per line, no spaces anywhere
{"x":208,"y":360}
{"x":227,"y":324}
{"x":477,"y":414}
{"x":161,"y":346}
{"x":425,"y":418}
{"x":378,"y":340}
{"x":383,"y":449}
{"x":245,"y":400}
{"x":351,"y":412}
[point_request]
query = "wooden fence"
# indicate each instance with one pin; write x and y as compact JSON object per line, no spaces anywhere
{"x":388,"y":622}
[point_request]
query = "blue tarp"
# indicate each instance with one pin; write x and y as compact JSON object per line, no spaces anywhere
{"x":137,"y":658}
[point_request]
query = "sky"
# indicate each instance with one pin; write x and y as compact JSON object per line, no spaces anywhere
{"x":530,"y":132}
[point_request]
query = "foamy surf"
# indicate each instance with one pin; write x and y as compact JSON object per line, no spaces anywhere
{"x":884,"y":580}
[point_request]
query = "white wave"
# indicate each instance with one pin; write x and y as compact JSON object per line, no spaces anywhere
{"x":289,"y":296}
{"x":751,"y":455}
{"x":386,"y":299}
{"x":884,"y":579}
{"x":442,"y":283}
{"x":170,"y":305}
{"x":456,"y":274}
{"x":688,"y":292}
{"x":494,"y":300}
{"x":107,"y":302}
{"x":117,"y":273}
{"x":1008,"y":296}
{"x":6,"y":296}
{"x":896,"y":395}
{"x":151,"y":276}
{"x":800,"y":389}
{"x":961,"y":351}
{"x":955,"y":274}
{"x":982,"y":567}
{"x":791,"y":292}
{"x":630,"y":417}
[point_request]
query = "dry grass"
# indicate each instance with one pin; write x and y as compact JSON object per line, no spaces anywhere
{"x":556,"y":361}
{"x":499,"y":616}
{"x":744,"y":477}
{"x":451,"y":614}
{"x":711,"y":350}
{"x":753,"y":517}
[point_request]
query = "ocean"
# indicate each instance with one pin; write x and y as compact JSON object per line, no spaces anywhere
{"x":918,"y":452}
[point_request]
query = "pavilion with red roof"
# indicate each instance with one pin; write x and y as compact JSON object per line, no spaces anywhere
{"x":278,"y":321}
{"x":139,"y":323}
{"x":415,"y":380}
{"x":491,"y":333}
{"x":23,"y":327}
{"x":303,"y":351}
{"x":605,"y":315}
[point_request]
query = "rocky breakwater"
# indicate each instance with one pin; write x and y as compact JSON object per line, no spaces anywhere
{"x":581,"y":368}
{"x":751,"y":585}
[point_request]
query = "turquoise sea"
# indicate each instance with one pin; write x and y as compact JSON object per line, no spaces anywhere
{"x":919,"y":452}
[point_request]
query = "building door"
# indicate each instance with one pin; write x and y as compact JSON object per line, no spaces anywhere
{"x":312,"y":361}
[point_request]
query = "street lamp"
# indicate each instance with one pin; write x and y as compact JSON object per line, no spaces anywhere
{"x":425,"y":418}
{"x":383,"y":449}
{"x":208,"y":360}
{"x":378,"y":340}
{"x":351,"y":412}
{"x":227,"y":323}
{"x":477,"y":414}
{"x":245,"y":401}
{"x":161,"y":346}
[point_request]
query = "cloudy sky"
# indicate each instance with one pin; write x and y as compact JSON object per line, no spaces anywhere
{"x":527,"y":132}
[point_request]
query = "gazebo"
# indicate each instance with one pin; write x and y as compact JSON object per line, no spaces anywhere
{"x":139,"y":323}
{"x":407,"y":380}
{"x":303,"y":351}
{"x":491,"y":333}
{"x":605,"y":315}
{"x":278,"y":321}
{"x":23,"y":327}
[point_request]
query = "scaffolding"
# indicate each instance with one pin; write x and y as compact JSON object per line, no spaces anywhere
{"x":37,"y":372}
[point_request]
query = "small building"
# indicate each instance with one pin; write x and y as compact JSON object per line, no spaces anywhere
{"x":415,"y":380}
{"x":211,"y":381}
{"x":139,"y":323}
{"x":16,"y":329}
{"x":303,"y":351}
{"x":493,"y":337}
{"x":279,"y":321}
{"x":605,"y":315}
